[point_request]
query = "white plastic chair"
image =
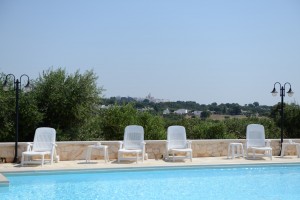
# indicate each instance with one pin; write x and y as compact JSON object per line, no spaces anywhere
{"x":177,"y":143}
{"x":255,"y":140}
{"x":133,"y":144}
{"x":43,"y":144}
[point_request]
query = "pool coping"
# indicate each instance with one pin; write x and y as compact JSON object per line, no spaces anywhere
{"x":16,"y":169}
{"x":146,"y":168}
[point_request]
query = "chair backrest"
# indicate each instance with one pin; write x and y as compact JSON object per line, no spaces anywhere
{"x":44,"y":138}
{"x":176,"y":137}
{"x":133,"y":137}
{"x":255,"y":135}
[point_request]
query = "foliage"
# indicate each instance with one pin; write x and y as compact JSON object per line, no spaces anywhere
{"x":235,"y":109}
{"x":116,"y":118}
{"x":7,"y":116}
{"x":225,"y":109}
{"x":153,"y":126}
{"x":29,"y":117}
{"x":205,"y":114}
{"x":291,"y":119}
{"x":236,"y":128}
{"x":68,"y":102}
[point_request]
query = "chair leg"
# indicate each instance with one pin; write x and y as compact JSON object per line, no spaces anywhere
{"x":105,"y":154}
{"x":167,"y":155}
{"x":88,"y":155}
{"x":43,"y":159}
{"x":22,"y":160}
{"x":228,"y":151}
{"x":253,"y":151}
{"x":119,"y":155}
{"x":51,"y":159}
{"x":173,"y":156}
{"x":243,"y":151}
{"x":298,"y":150}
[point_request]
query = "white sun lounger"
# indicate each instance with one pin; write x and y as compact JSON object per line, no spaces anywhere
{"x":133,"y":144}
{"x":43,"y":144}
{"x":255,"y":141}
{"x":177,"y":143}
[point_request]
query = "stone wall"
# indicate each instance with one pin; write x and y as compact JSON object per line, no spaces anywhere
{"x":155,"y":149}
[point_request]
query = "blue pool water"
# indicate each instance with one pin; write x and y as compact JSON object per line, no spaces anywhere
{"x":249,"y":182}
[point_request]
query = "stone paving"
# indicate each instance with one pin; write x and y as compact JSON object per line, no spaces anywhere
{"x":113,"y":164}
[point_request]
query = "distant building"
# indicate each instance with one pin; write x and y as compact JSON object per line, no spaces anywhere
{"x":197,"y":113}
{"x":154,"y":100}
{"x":145,"y":109}
{"x":181,"y":111}
{"x":105,"y":107}
{"x":166,"y":111}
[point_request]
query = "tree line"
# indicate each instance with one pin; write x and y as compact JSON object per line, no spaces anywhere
{"x":71,"y":103}
{"x":251,"y":109}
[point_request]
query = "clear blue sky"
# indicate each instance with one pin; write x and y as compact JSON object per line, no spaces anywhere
{"x":220,"y":51}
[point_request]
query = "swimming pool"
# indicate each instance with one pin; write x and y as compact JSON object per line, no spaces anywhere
{"x":239,"y":182}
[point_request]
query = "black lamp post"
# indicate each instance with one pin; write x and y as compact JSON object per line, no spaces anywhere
{"x":17,"y":87}
{"x":282,"y":94}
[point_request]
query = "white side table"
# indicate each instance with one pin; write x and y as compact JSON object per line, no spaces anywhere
{"x":284,"y":145}
{"x":236,"y":149}
{"x":99,"y":147}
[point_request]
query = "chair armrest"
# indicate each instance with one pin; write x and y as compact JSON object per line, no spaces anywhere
{"x":189,"y":144}
{"x":268,"y":143}
{"x":98,"y":144}
{"x":143,"y":144}
{"x":120,"y":144}
{"x":167,"y":144}
{"x":29,"y":146}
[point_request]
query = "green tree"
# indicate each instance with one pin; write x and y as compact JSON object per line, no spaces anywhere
{"x":153,"y":126}
{"x":235,"y":109}
{"x":256,"y":104}
{"x":68,"y":102}
{"x":205,"y":114}
{"x":115,"y":119}
{"x":29,"y":116}
{"x":291,"y":120}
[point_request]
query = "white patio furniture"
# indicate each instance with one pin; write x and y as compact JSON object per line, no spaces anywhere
{"x":99,"y":147}
{"x":178,"y":144}
{"x":290,"y":143}
{"x":235,"y":150}
{"x":133,"y":144}
{"x":255,"y":141}
{"x":43,"y":144}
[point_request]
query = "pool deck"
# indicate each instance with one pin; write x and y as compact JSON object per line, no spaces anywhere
{"x":113,"y":164}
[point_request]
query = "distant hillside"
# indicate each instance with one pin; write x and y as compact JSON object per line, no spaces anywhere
{"x":253,"y":109}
